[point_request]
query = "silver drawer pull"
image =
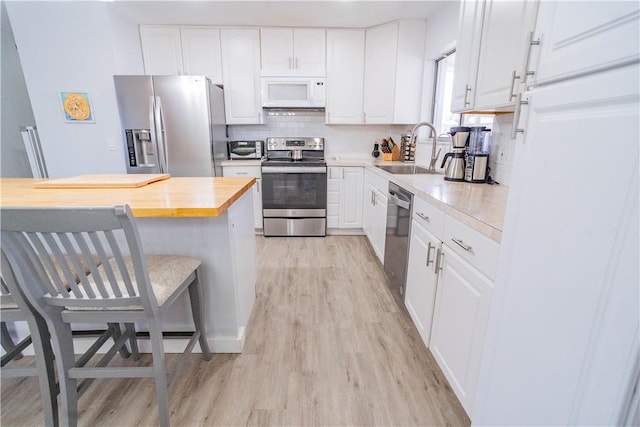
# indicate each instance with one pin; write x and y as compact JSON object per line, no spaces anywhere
{"x":241,"y":173}
{"x":439,"y":261}
{"x":423,"y":216}
{"x":462,"y":244}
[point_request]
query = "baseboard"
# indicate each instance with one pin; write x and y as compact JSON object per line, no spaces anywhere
{"x":345,"y":232}
{"x":173,"y":345}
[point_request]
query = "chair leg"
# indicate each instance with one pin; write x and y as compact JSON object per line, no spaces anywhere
{"x":133,"y":341}
{"x":160,"y":376}
{"x":195,"y":295}
{"x":46,"y":371}
{"x":62,"y":340}
{"x":117,"y":332}
{"x":6,"y":340}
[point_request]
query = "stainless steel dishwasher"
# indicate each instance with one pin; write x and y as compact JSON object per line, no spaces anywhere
{"x":396,"y":247}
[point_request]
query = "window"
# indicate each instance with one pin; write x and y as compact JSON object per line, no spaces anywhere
{"x":443,"y":118}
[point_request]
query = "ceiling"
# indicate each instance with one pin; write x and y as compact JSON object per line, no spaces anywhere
{"x":342,"y":13}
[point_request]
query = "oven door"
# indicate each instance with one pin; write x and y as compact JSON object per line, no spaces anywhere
{"x":294,"y":200}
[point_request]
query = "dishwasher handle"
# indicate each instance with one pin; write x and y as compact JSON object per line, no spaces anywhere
{"x":393,"y":198}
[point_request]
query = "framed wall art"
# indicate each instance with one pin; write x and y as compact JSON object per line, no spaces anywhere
{"x":76,"y":107}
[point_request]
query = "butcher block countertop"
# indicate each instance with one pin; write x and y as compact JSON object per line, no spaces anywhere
{"x":173,"y":197}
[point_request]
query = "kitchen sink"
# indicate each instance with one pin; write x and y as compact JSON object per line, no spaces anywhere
{"x":407,"y":170}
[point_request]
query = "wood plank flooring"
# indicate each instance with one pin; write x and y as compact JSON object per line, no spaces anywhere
{"x":327,"y":345}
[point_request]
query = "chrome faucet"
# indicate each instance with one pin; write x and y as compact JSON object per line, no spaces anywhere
{"x":434,"y":155}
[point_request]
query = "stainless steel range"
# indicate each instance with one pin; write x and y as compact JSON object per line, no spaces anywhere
{"x":294,"y":187}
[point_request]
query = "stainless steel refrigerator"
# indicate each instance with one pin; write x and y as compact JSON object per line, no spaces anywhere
{"x":172,"y":124}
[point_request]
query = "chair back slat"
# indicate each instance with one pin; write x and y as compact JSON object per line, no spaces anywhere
{"x":124,"y":271}
{"x":71,"y":257}
{"x":87,"y":255}
{"x":104,"y":262}
{"x":57,"y":258}
{"x":44,"y":265}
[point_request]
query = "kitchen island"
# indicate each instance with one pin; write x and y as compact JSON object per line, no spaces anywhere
{"x":210,"y":218}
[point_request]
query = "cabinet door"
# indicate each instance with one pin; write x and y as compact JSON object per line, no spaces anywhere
{"x":345,"y":72}
{"x":467,"y":52}
{"x":380,"y":58}
{"x":241,"y":75}
{"x":201,"y":53}
{"x":605,"y":36}
{"x":462,"y":308}
{"x":161,"y":50}
{"x":256,"y":172}
{"x":505,"y":31}
{"x":422,"y":279}
{"x":309,"y":51}
{"x":334,"y":176}
{"x":276,"y":51}
{"x":379,"y":223}
{"x":351,"y":189}
{"x":567,"y":265}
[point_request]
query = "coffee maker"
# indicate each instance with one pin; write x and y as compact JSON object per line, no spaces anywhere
{"x":477,"y":158}
{"x":455,"y":167}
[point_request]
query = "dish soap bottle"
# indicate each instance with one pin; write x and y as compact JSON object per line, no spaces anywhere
{"x":376,"y":152}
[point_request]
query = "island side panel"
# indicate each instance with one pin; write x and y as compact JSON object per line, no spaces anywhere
{"x":225,"y":277}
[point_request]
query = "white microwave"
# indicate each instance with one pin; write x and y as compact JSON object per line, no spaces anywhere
{"x":293,"y":92}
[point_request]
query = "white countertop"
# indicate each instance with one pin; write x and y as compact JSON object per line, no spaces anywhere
{"x":480,"y":206}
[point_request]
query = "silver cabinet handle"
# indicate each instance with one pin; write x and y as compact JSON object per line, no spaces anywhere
{"x":462,"y":244}
{"x":531,"y":42}
{"x":516,"y":116}
{"x":514,"y":77}
{"x":429,"y":247}
{"x":439,"y":261}
{"x":342,"y":173}
{"x":467,"y":89}
{"x":423,"y":216}
{"x":296,"y":63}
{"x":258,"y":184}
{"x":241,"y":173}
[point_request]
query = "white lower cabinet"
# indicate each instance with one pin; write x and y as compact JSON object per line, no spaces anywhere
{"x":462,"y":307}
{"x":374,"y":214}
{"x":344,"y":197}
{"x":256,"y":172}
{"x":422,"y":278}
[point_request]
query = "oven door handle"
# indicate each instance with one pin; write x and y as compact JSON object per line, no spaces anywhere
{"x":293,"y":169}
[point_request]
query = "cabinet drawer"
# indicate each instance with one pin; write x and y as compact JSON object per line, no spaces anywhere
{"x":242,"y":171}
{"x":379,"y":182}
{"x":429,"y":217}
{"x":478,"y":250}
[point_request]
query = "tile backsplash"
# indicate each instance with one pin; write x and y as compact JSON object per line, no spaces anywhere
{"x":356,"y":141}
{"x":345,"y":141}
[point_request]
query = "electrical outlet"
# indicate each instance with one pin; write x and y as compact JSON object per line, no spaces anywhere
{"x":502,"y":154}
{"x":111,"y":144}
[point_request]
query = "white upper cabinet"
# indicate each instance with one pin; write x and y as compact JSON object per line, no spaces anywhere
{"x":570,"y":47}
{"x":201,"y":53}
{"x":161,"y":50}
{"x":292,"y":51}
{"x":467,"y":51}
{"x":241,"y":75}
{"x":170,"y":50}
{"x":493,"y":47}
{"x":380,"y":58}
{"x":394,"y":64}
{"x":345,"y":73}
{"x":505,"y":31}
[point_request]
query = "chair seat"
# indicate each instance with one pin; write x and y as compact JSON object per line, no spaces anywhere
{"x":166,"y":273}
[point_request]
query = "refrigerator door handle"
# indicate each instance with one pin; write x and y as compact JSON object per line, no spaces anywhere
{"x":163,"y":134}
{"x":154,"y":130}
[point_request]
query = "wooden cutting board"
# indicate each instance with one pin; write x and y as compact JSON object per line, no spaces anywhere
{"x":103,"y":181}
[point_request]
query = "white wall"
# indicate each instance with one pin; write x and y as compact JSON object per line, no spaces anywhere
{"x":67,"y":46}
{"x":15,"y":106}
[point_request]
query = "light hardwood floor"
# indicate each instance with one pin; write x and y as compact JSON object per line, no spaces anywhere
{"x":327,"y":345}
